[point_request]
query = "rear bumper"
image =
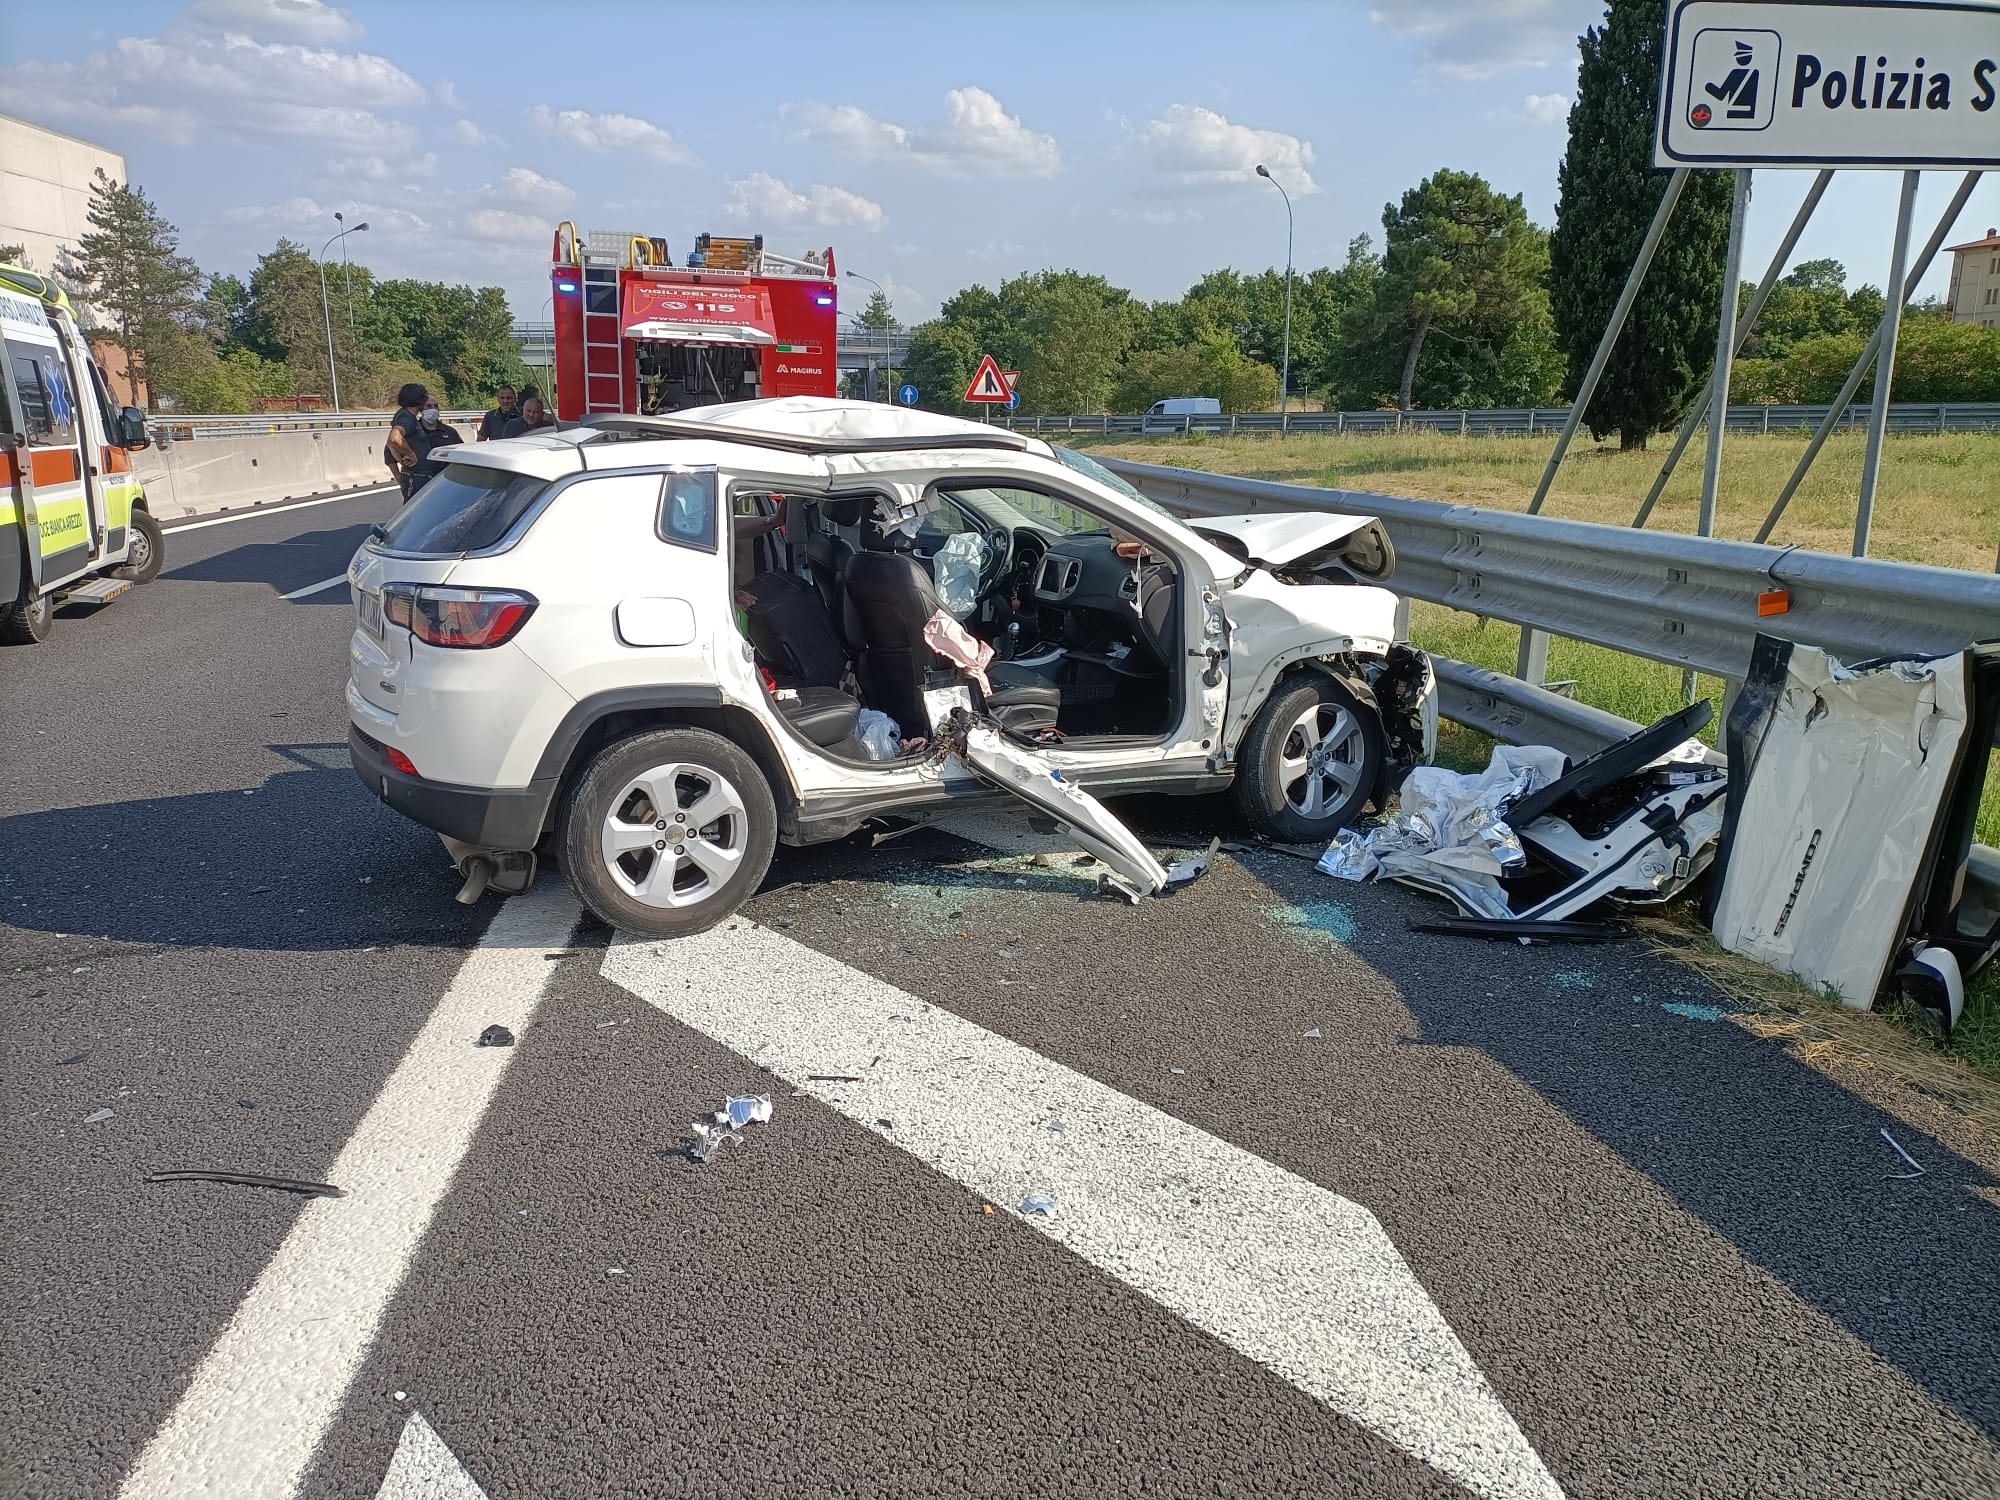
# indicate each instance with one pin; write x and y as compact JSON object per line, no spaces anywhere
{"x":511,"y":819}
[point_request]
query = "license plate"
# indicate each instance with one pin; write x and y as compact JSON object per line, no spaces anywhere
{"x":370,"y":606}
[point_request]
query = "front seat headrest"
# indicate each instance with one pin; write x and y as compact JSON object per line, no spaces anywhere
{"x":875,"y":539}
{"x":846,"y":511}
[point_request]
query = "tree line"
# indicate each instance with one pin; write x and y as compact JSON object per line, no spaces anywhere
{"x":1468,"y":303}
{"x":213,"y":342}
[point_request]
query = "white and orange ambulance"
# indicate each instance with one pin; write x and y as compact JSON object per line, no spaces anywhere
{"x":73,"y":521}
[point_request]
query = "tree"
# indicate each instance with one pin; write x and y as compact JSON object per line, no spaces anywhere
{"x":877,"y":314}
{"x":285,"y":320}
{"x":1064,"y":330}
{"x":129,"y":270}
{"x":464,"y":336}
{"x":1214,"y":366}
{"x":1457,"y":313}
{"x":1607,"y":192}
{"x":13,"y":255}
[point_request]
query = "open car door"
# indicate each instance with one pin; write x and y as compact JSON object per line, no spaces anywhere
{"x":1023,"y":773}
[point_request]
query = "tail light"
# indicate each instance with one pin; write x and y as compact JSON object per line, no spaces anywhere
{"x":462,"y":619}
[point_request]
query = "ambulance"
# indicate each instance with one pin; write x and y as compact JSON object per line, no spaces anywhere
{"x":73,"y":522}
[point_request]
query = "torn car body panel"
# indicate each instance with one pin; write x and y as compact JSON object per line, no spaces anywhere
{"x":1274,"y":540}
{"x":1278,"y":625}
{"x":1839,"y":813}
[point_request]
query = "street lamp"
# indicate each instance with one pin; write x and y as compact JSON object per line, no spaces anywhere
{"x":326,"y":311}
{"x":1285,"y":376}
{"x":856,"y":275}
{"x":346,"y":271}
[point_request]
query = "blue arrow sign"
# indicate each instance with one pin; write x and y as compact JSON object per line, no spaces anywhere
{"x":907,"y":394}
{"x":1013,"y":399}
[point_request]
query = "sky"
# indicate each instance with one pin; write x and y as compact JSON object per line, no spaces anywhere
{"x":931,"y":145}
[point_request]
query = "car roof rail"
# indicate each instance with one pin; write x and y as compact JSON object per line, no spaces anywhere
{"x":788,"y":442}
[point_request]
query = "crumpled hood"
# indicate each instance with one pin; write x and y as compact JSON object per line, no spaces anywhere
{"x":1275,"y":538}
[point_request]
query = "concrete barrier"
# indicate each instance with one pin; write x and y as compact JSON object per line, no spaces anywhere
{"x":192,"y":479}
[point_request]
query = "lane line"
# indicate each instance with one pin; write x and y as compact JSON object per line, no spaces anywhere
{"x":315,"y":588}
{"x":425,"y":1468}
{"x":267,"y":1391}
{"x":1291,"y":1275}
{"x":275,"y":510}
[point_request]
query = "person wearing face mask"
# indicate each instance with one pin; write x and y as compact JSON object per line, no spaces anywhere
{"x":533,"y":415}
{"x":438,"y":435}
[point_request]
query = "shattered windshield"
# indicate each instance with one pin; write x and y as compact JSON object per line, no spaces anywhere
{"x":1069,"y":458}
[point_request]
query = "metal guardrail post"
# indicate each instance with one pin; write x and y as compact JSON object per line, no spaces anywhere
{"x":1885,"y":368}
{"x":1744,"y":329}
{"x":1855,"y":375}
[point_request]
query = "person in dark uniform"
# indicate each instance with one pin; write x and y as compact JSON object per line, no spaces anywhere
{"x":533,"y":415}
{"x":408,"y":444}
{"x":441,"y":438}
{"x":505,"y":409}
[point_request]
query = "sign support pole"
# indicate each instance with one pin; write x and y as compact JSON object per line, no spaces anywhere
{"x":1860,"y":371}
{"x":1743,"y":328}
{"x":1885,"y":365}
{"x":1725,"y":352}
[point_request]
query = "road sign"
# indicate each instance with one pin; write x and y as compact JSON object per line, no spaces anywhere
{"x":1013,"y":399}
{"x":989,"y":383}
{"x":907,"y":394}
{"x":1836,"y":83}
{"x":1012,"y":377}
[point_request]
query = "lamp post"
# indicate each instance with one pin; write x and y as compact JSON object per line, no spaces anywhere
{"x":347,"y":271}
{"x":887,"y":394}
{"x":326,"y":310}
{"x":1285,"y":376}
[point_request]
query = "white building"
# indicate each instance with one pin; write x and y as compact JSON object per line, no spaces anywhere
{"x":1975,"y":281}
{"x":45,"y":179}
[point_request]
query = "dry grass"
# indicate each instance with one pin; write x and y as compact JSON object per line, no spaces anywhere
{"x":1938,"y":501}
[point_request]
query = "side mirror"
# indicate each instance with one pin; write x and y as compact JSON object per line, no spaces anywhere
{"x":132,"y":429}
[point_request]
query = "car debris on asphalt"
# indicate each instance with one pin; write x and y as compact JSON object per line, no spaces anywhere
{"x":1039,"y":1203}
{"x":250,"y":1179}
{"x":727,"y":1124}
{"x":97,"y":1117}
{"x":495,"y":1035}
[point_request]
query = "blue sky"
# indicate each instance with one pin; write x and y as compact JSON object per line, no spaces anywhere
{"x":931,"y":145}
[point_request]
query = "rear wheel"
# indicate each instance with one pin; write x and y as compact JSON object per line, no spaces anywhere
{"x":668,"y":832}
{"x":148,"y":549}
{"x":1309,"y":762}
{"x":26,"y":621}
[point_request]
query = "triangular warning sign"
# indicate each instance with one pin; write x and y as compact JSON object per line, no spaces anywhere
{"x":1012,"y":377}
{"x":989,"y":382}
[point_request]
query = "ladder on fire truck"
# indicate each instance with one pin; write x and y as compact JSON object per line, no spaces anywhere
{"x":603,"y":255}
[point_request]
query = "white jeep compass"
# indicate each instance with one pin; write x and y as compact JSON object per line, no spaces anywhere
{"x":652,"y":647}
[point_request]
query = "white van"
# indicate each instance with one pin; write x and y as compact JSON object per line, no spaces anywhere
{"x":1171,"y":415}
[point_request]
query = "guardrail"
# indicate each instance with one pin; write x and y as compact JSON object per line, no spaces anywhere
{"x":183,"y":427}
{"x":1688,"y":601}
{"x":1539,"y":421}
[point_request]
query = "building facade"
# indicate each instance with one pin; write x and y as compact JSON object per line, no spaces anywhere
{"x":45,"y":179}
{"x":1975,"y":281}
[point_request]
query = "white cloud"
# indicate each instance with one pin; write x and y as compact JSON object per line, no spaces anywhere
{"x":1481,"y":38}
{"x":310,"y":222}
{"x":1157,"y":217}
{"x":506,"y":224}
{"x":448,"y":97}
{"x":188,"y":83}
{"x":613,"y":132}
{"x":977,"y":137}
{"x":308,"y":20}
{"x":525,"y":188}
{"x":382,"y":168}
{"x":468,"y":133}
{"x":1197,"y":148}
{"x":764,"y":199}
{"x":1547,"y":109}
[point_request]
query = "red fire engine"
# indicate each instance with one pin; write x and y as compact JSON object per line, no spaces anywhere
{"x":636,"y":333}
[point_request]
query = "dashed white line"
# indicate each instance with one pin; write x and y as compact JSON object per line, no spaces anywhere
{"x":316,"y":588}
{"x":265,"y":1394}
{"x":1291,"y":1275}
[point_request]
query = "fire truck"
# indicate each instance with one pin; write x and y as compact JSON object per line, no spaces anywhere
{"x":637,"y":333}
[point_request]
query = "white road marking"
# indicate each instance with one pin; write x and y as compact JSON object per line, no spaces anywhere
{"x":316,"y":588}
{"x":1291,"y":1275}
{"x":276,"y":510}
{"x":425,"y":1468}
{"x":267,"y":1391}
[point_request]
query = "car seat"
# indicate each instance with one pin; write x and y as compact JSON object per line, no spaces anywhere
{"x":891,"y":596}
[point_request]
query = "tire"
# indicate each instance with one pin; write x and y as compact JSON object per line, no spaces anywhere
{"x":149,"y":548}
{"x":639,"y":879}
{"x":26,"y":622}
{"x":1292,"y":792}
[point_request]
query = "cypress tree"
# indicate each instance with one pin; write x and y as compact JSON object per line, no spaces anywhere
{"x":1609,"y":189}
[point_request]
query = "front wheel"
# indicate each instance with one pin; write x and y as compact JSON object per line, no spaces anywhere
{"x":668,"y":832}
{"x":1309,"y":762}
{"x":148,"y":548}
{"x":27,"y":621}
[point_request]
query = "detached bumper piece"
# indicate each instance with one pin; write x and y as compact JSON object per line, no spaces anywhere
{"x":1531,"y":842}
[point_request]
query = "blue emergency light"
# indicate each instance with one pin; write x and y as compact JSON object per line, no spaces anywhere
{"x":824,"y":301}
{"x":565,"y":286}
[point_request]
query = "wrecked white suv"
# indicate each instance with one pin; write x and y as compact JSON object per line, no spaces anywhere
{"x":652,"y":647}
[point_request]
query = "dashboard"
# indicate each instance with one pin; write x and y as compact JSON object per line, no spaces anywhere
{"x":1077,"y":572}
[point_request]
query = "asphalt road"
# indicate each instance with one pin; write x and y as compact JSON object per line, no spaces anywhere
{"x":1337,"y":1209}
